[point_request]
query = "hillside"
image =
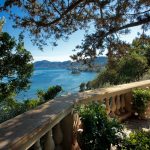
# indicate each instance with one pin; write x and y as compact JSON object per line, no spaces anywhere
{"x":99,"y":62}
{"x":49,"y":64}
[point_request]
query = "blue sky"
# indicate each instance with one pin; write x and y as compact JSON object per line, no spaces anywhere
{"x":60,"y":53}
{"x":64,"y":49}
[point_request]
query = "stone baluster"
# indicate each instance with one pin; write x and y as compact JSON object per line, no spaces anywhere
{"x":58,"y":137}
{"x":118,"y":105}
{"x":107,"y":106}
{"x":49,"y":142}
{"x":128,"y":101}
{"x":76,"y":125}
{"x":122,"y":103}
{"x":67,"y":129}
{"x":37,"y":145}
{"x":113,"y":107}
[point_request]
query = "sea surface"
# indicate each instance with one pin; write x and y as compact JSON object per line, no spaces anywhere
{"x":44,"y":78}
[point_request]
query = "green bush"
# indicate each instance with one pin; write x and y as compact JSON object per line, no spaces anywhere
{"x":82,"y":87}
{"x":52,"y":92}
{"x":49,"y":94}
{"x":99,"y":131}
{"x":8,"y":111}
{"x":12,"y":108}
{"x":141,"y":97}
{"x":31,"y":103}
{"x":138,"y":140}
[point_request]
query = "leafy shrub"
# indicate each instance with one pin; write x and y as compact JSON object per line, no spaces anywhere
{"x":12,"y":108}
{"x":141,"y":97}
{"x":138,"y":140}
{"x":104,"y":77}
{"x":86,"y":86}
{"x":9,"y":111}
{"x":132,"y":67}
{"x":50,"y":93}
{"x":31,"y":103}
{"x":99,"y":131}
{"x":82,"y":87}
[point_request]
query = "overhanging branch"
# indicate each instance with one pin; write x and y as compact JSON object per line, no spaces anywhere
{"x":132,"y":24}
{"x":54,"y":22}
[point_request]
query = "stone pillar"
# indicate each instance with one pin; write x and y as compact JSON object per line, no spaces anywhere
{"x":49,"y":142}
{"x":37,"y":145}
{"x":128,"y":102}
{"x":122,"y":103}
{"x":113,"y":106}
{"x":67,"y":129}
{"x":118,"y":104}
{"x":107,"y":106}
{"x":58,"y":137}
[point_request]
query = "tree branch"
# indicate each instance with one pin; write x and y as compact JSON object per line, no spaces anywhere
{"x":140,"y":12}
{"x":133,"y":24}
{"x":45,"y":24}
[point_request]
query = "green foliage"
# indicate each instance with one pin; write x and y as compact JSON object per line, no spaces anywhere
{"x":99,"y":131}
{"x":89,"y":85}
{"x":105,"y":77}
{"x":142,"y":46}
{"x":129,"y":64}
{"x":141,"y":97}
{"x":131,"y":67}
{"x":86,"y":86}
{"x":138,"y":140}
{"x":16,"y":67}
{"x":82,"y":87}
{"x":146,"y":76}
{"x":49,"y":94}
{"x":12,"y":108}
{"x":31,"y":103}
{"x":128,"y":69}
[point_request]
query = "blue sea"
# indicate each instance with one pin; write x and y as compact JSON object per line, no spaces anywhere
{"x":44,"y":78}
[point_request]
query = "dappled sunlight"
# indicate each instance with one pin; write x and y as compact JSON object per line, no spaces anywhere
{"x":28,"y":127}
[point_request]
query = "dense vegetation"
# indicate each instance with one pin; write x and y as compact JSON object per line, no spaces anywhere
{"x":14,"y":107}
{"x":128,"y":63}
{"x":137,"y":140}
{"x":15,"y":66}
{"x":141,"y":99}
{"x":99,"y":131}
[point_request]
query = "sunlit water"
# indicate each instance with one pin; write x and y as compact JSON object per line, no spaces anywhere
{"x":44,"y":78}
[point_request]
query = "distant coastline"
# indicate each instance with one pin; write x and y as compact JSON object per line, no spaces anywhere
{"x":99,"y":62}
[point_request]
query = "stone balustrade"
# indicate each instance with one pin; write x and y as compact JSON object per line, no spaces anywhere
{"x":53,"y":125}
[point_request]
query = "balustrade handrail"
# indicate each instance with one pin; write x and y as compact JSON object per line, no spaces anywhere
{"x":26,"y":129}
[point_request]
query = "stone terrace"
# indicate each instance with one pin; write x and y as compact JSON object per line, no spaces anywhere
{"x":58,"y":123}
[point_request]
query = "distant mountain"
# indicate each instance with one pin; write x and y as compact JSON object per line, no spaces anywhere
{"x":99,"y":61}
{"x":49,"y":64}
